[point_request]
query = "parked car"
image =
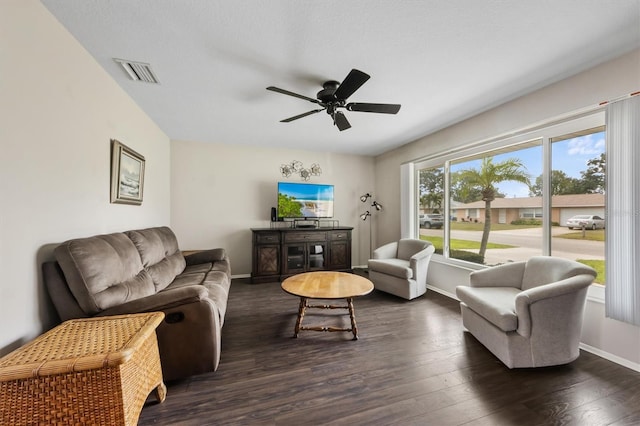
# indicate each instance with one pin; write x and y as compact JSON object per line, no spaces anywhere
{"x":431,"y":221}
{"x":590,"y":221}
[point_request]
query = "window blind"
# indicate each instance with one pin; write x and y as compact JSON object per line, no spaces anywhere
{"x":622,"y":233}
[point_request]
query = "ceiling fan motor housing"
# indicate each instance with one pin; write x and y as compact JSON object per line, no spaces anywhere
{"x":327,"y":93}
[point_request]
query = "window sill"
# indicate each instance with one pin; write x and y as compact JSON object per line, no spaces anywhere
{"x":596,"y":293}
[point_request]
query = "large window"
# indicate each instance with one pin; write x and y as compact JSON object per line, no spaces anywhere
{"x":516,"y":198}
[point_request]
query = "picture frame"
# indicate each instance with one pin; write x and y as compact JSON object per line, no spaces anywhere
{"x":127,"y":174}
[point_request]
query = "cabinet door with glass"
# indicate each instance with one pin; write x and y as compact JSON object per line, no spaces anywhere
{"x":304,"y":257}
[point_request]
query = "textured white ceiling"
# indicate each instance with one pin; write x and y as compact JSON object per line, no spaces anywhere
{"x":442,"y":60}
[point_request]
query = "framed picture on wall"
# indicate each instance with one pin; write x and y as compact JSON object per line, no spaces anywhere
{"x":127,"y":174}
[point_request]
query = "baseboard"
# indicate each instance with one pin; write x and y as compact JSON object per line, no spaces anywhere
{"x":610,"y":357}
{"x":241,"y":276}
{"x":442,"y":292}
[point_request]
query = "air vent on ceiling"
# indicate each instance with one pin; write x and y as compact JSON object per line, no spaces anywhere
{"x":138,"y":71}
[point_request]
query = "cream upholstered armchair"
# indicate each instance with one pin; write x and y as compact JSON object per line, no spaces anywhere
{"x":400,"y":268}
{"x":528,"y":313}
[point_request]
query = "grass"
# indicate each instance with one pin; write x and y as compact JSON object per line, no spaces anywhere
{"x":462,"y":244}
{"x":472,"y":226}
{"x":591,"y":235}
{"x":598,"y":265}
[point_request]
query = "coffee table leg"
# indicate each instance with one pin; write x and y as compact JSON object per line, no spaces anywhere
{"x":303,"y":305}
{"x":352,"y":315}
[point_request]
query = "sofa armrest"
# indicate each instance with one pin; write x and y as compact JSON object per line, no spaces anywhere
{"x":161,"y":301}
{"x":387,"y":251}
{"x":206,"y":256}
{"x":506,"y":275}
{"x":548,"y":292}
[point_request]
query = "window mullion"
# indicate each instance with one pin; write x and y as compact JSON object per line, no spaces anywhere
{"x":546,"y":196}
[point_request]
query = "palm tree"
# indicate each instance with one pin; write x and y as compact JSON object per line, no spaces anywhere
{"x":485,"y":179}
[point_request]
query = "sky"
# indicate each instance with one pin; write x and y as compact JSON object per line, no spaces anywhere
{"x":570,"y":156}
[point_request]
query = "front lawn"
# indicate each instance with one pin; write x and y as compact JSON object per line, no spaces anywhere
{"x":461,"y":244}
{"x":599,"y":266}
{"x":591,"y":235}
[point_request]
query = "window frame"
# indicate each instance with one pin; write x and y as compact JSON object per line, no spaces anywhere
{"x":540,"y":134}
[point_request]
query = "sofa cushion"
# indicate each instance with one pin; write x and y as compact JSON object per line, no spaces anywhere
{"x":202,"y":268}
{"x":397,"y":267}
{"x":495,"y":304}
{"x":103,"y":271}
{"x":160,"y":255}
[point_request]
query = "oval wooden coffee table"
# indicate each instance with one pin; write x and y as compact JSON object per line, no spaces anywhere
{"x":327,"y":285}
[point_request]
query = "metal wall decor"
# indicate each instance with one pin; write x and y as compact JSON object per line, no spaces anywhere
{"x":296,"y":167}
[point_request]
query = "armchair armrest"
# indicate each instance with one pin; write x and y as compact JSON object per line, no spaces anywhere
{"x":506,"y":275}
{"x":387,"y":251}
{"x":423,"y":254}
{"x":205,"y":256}
{"x":160,"y":301}
{"x":419,"y":263}
{"x":525,"y":299}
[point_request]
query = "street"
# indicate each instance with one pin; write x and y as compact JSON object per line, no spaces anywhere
{"x":527,"y":242}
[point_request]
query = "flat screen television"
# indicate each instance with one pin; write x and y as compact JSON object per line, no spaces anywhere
{"x":304,"y":200}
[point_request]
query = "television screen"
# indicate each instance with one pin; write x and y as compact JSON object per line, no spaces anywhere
{"x":301,"y":200}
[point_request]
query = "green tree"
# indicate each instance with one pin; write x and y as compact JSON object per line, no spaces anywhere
{"x":288,"y":206}
{"x":431,"y":188}
{"x":463,"y":193}
{"x":561,"y":184}
{"x":593,"y":178}
{"x":485,"y":179}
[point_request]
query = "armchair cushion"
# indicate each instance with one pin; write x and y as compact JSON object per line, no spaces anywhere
{"x":496,"y":304}
{"x":396,"y":267}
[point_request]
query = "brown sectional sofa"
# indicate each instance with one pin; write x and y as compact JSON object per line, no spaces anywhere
{"x":142,"y":271}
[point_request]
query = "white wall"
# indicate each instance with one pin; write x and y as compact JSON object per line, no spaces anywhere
{"x":610,"y":80}
{"x":58,"y":112}
{"x":220,"y":191}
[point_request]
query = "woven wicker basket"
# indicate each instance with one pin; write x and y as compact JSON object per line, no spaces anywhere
{"x":96,"y":371}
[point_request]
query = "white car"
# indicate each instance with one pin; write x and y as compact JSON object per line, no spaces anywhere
{"x":590,"y":221}
{"x":431,"y":221}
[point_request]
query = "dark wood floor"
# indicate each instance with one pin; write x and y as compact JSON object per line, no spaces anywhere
{"x":413,"y":365}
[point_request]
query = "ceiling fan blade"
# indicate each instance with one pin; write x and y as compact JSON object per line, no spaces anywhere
{"x":295,"y":95}
{"x":366,"y":107}
{"x":351,"y":83}
{"x":295,"y":117}
{"x":341,"y":121}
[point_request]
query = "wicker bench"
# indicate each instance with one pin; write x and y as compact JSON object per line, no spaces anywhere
{"x":86,"y":371}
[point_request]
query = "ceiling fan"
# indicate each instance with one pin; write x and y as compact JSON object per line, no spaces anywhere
{"x":334,"y":96}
